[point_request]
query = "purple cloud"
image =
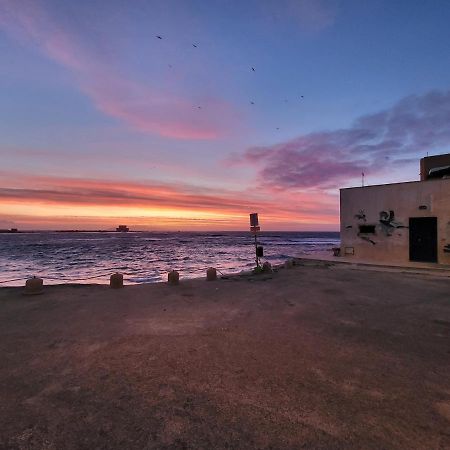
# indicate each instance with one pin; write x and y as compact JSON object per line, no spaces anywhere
{"x":326,"y":159}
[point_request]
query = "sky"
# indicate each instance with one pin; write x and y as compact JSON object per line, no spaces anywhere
{"x":189,"y":115}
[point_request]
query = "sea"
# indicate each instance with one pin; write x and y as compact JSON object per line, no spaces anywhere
{"x":145,"y":257}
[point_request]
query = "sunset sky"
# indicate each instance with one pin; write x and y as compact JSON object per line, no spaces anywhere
{"x":103,"y":123}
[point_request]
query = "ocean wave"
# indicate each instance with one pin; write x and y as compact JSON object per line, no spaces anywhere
{"x":143,"y":257}
{"x":144,"y":279}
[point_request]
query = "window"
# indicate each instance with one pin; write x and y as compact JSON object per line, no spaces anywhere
{"x":367,"y":229}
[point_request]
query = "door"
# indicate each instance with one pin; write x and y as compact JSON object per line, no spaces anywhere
{"x":423,"y":239}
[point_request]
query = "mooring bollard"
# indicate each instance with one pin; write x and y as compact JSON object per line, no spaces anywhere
{"x":116,"y":281}
{"x":267,"y":267}
{"x":173,"y":277}
{"x":211,"y":274}
{"x":34,"y":286}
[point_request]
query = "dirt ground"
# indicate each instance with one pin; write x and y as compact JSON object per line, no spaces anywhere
{"x":312,"y":357}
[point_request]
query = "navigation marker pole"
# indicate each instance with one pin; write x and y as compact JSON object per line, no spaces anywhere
{"x":254,"y":228}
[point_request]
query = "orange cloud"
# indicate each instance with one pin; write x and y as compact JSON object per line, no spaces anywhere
{"x":165,"y":206}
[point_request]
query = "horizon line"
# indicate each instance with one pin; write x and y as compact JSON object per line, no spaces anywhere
{"x":8,"y":231}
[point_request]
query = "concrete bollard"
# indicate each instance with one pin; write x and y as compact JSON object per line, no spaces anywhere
{"x":267,"y":267}
{"x":289,"y":264}
{"x":211,"y":274}
{"x":34,"y":286}
{"x":173,"y":277}
{"x":116,"y":281}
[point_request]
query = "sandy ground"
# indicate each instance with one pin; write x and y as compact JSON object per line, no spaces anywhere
{"x":312,"y":357}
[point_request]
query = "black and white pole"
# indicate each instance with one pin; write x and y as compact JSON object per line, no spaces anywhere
{"x":254,"y":228}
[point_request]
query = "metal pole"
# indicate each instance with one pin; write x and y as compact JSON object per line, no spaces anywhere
{"x":256,"y":251}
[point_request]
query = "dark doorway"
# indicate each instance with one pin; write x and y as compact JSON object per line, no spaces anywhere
{"x":423,"y":239}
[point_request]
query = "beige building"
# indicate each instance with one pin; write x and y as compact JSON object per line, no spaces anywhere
{"x":400,"y":222}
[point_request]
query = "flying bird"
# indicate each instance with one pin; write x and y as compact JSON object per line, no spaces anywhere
{"x":159,"y":37}
{"x":252,"y":103}
{"x":277,"y":128}
{"x":253,"y":69}
{"x":194,"y":45}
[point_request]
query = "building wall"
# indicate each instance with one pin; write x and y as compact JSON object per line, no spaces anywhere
{"x":372,"y":205}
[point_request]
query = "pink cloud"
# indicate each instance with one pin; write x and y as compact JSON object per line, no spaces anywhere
{"x":146,"y":109}
{"x":151,"y":112}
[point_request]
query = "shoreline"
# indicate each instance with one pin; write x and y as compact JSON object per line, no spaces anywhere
{"x":429,"y":270}
{"x":75,"y":283}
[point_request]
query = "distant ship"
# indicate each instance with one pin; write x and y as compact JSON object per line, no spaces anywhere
{"x":12,"y":230}
{"x":122,"y":228}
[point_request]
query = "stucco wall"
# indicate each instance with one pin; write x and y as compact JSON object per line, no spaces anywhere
{"x":365,"y":206}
